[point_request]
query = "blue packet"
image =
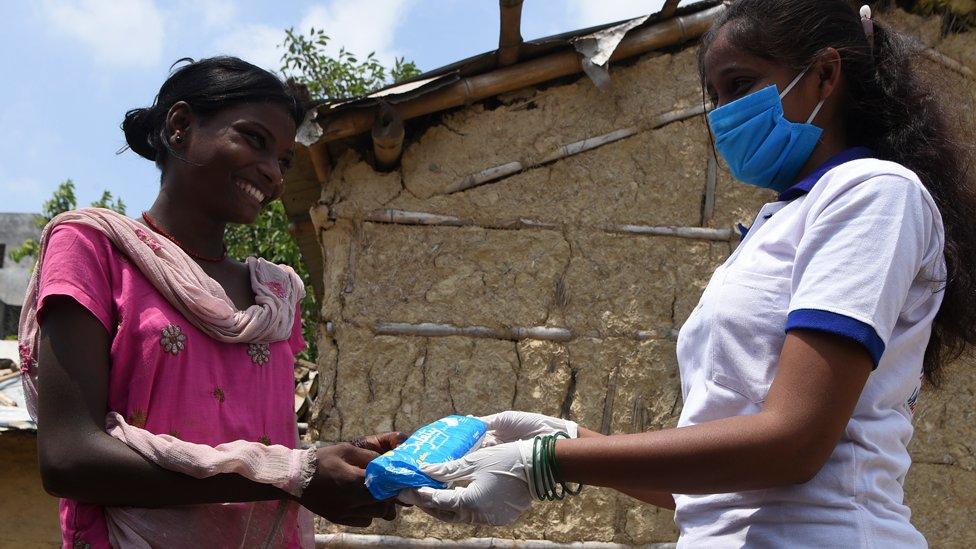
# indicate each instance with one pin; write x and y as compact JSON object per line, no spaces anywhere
{"x":446,"y":439}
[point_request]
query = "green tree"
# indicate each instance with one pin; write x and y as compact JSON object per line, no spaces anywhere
{"x":61,"y":201}
{"x":306,"y":62}
{"x":328,"y":77}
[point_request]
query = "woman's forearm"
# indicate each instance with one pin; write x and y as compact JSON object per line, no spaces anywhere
{"x":654,"y":497}
{"x":108,"y":472}
{"x":728,"y":455}
{"x":805,"y":412}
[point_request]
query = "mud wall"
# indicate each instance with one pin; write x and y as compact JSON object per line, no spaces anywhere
{"x":542,"y":248}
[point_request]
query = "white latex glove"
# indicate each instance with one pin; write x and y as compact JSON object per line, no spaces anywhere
{"x":487,"y":486}
{"x":513,"y":425}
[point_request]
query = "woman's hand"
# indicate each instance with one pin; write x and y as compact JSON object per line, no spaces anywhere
{"x":493,"y":486}
{"x":513,"y":425}
{"x":381,"y":443}
{"x":338,"y":491}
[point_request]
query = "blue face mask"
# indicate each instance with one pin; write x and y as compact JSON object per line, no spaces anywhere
{"x":759,"y":144}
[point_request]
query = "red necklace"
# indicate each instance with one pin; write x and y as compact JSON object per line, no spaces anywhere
{"x":155,"y":226}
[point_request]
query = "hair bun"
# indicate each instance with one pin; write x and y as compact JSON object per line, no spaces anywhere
{"x":140,"y":132}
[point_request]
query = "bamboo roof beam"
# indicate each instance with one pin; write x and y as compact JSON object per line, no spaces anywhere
{"x":510,"y":32}
{"x":536,"y":71}
{"x":387,"y":137}
{"x":670,"y":6}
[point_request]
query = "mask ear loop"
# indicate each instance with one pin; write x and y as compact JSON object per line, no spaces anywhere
{"x":816,"y":109}
{"x":794,"y":82}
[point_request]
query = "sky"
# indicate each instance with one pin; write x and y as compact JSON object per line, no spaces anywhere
{"x":72,"y":68}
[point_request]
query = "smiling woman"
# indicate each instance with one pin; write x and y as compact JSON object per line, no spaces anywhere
{"x":165,"y":408}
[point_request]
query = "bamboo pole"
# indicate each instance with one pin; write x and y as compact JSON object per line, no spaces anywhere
{"x":516,"y":333}
{"x":358,"y":541}
{"x":646,"y":335}
{"x":431,"y":329}
{"x":550,"y":67}
{"x":700,"y":233}
{"x":9,"y":375}
{"x":387,"y":137}
{"x":588,"y":144}
{"x":484,"y":176}
{"x":403,"y":217}
{"x":670,"y":6}
{"x":319,"y":154}
{"x":947,"y":62}
{"x":509,"y":34}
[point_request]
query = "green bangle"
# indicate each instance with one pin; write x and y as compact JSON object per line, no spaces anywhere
{"x":545,"y":471}
{"x":536,"y":466}
{"x":555,"y":467}
{"x":551,"y":475}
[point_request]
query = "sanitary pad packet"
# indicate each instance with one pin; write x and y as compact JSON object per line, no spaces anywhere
{"x":446,"y":439}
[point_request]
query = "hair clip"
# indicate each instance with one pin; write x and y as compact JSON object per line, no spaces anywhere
{"x":868,"y":24}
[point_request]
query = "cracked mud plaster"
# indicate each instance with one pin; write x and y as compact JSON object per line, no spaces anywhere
{"x":652,"y":178}
{"x":601,"y":286}
{"x":473,"y":139}
{"x":464,"y":276}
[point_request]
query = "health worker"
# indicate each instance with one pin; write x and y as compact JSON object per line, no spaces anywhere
{"x":802,"y":364}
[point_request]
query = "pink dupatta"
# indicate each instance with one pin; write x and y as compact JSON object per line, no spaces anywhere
{"x":204,"y":303}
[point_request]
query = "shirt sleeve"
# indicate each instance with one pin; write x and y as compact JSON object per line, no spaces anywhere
{"x":77,"y":263}
{"x":297,"y":342}
{"x":860,"y":253}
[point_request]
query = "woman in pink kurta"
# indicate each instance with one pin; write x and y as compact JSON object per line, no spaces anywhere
{"x":167,"y":376}
{"x":159,"y":370}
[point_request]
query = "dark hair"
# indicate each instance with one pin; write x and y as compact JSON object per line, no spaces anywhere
{"x":889,"y":109}
{"x":207,"y":85}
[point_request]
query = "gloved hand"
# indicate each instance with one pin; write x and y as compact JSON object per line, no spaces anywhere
{"x":513,"y":425}
{"x":490,"y":486}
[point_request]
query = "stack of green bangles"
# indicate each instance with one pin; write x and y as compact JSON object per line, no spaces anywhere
{"x":546,"y":479}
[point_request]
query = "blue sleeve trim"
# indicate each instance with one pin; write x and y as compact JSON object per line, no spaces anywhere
{"x":826,"y":321}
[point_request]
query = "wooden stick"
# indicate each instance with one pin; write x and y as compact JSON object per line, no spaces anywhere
{"x":430,"y":329}
{"x":677,"y":115}
{"x":387,"y":137}
{"x":9,"y":375}
{"x":509,"y":34}
{"x":345,"y":540}
{"x":947,"y":62}
{"x":670,"y":6}
{"x":484,"y":176}
{"x":645,"y":335}
{"x":701,"y":233}
{"x":7,"y":401}
{"x":402,"y":217}
{"x":349,"y":122}
{"x":588,"y":144}
{"x":321,"y":163}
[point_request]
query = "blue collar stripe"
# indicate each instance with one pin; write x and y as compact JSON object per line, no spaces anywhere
{"x":804,"y":185}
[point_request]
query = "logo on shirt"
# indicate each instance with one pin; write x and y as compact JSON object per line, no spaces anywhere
{"x":913,"y":399}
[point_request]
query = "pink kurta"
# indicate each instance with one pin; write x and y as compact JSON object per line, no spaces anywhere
{"x":167,"y":376}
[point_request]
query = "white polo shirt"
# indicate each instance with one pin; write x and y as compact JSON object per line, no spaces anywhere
{"x":860,"y":255}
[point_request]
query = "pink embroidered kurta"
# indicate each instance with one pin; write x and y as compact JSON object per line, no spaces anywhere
{"x":167,"y":376}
